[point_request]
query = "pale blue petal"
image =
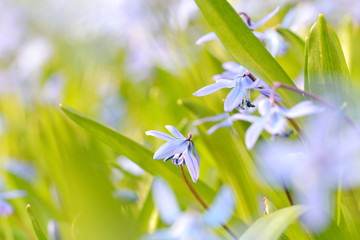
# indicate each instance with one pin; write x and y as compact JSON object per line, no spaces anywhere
{"x":165,"y":201}
{"x":209,"y":89}
{"x":174,"y":132}
{"x":247,"y":82}
{"x":265,"y":19}
{"x":225,"y":123}
{"x":13,"y":194}
{"x":226,"y":75}
{"x":276,"y":124}
{"x":191,"y":164}
{"x":160,"y":135}
{"x":196,"y":154}
{"x":207,"y":37}
{"x":259,"y":84}
{"x":267,"y":92}
{"x":235,"y":96}
{"x":244,"y":117}
{"x":214,"y":118}
{"x":221,"y":209}
{"x":161,"y":234}
{"x":126,"y":195}
{"x":234,"y":67}
{"x":261,"y":36}
{"x":170,"y":148}
{"x":6,"y":208}
{"x":302,"y":109}
{"x":264,"y":107}
{"x":253,"y":132}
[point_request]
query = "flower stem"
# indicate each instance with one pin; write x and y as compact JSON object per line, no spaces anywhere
{"x":202,"y":202}
{"x":287,"y":193}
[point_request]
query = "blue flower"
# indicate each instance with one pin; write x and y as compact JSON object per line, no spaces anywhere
{"x":211,"y":36}
{"x":6,"y":208}
{"x":178,"y":148}
{"x":191,"y":224}
{"x":314,"y":171}
{"x":236,"y":78}
{"x":273,"y":119}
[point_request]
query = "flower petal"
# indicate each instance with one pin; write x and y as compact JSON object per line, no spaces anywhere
{"x":165,"y":201}
{"x":221,"y":209}
{"x":302,"y":109}
{"x":253,"y":133}
{"x":207,"y":37}
{"x":225,"y":123}
{"x":160,"y":135}
{"x":267,"y":92}
{"x":265,"y":19}
{"x":264,"y":107}
{"x":234,"y":67}
{"x":235,"y":96}
{"x":170,"y":148}
{"x":244,"y":117}
{"x":209,"y":89}
{"x":13,"y":194}
{"x":261,"y":36}
{"x":196,"y":154}
{"x":174,"y":132}
{"x":191,"y":163}
{"x":160,"y":234}
{"x":6,"y":208}
{"x":214,"y":118}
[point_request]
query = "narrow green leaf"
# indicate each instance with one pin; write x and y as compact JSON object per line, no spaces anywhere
{"x":326,"y":71}
{"x":242,"y":44}
{"x":37,"y":228}
{"x":137,"y":153}
{"x":271,"y":226}
{"x":295,"y":42}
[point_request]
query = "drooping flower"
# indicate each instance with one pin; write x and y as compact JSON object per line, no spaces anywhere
{"x":313,"y":171}
{"x":236,"y":78}
{"x":190,"y":225}
{"x":211,"y":36}
{"x":6,"y":208}
{"x":273,"y":119}
{"x":178,"y":148}
{"x":225,"y":118}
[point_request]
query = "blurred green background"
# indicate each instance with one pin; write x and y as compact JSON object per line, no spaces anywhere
{"x":132,"y":65}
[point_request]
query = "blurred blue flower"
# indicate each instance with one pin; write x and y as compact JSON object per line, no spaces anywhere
{"x":179,"y":149}
{"x":274,"y":42}
{"x":6,"y":208}
{"x":235,"y":77}
{"x":273,"y":119}
{"x":330,"y":157}
{"x":189,"y":225}
{"x":211,"y":36}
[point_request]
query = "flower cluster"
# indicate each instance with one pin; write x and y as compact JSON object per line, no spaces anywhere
{"x":325,"y":155}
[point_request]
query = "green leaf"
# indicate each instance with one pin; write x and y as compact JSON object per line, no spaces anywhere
{"x":37,"y":228}
{"x":295,"y":42}
{"x":138,"y":154}
{"x":273,"y":225}
{"x":326,"y":71}
{"x":242,"y":44}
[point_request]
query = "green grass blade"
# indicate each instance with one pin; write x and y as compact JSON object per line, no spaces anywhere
{"x":37,"y":228}
{"x":137,"y":153}
{"x":273,"y":225}
{"x":242,"y":44}
{"x":325,"y":66}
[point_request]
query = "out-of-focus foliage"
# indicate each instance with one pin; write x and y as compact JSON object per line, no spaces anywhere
{"x":132,"y":66}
